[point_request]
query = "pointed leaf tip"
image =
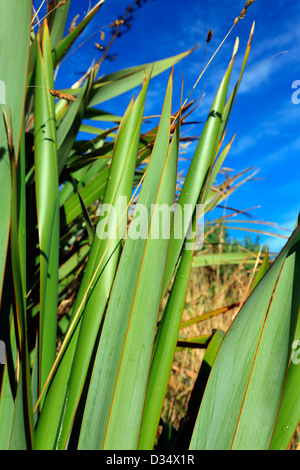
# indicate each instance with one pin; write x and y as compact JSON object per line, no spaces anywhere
{"x":235,"y":49}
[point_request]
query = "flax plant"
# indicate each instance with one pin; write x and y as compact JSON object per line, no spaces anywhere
{"x":89,"y":337}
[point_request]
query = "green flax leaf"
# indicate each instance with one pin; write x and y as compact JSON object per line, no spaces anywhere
{"x":244,"y":390}
{"x":46,"y":180}
{"x":130,"y":311}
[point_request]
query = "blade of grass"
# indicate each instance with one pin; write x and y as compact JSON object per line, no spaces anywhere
{"x":164,"y":349}
{"x":244,"y":416}
{"x":46,"y":180}
{"x":216,"y":259}
{"x":120,"y":82}
{"x":65,"y":44}
{"x":58,"y":23}
{"x":22,"y":435}
{"x":68,"y":129}
{"x":104,"y":253}
{"x":200,"y":165}
{"x":13,"y":65}
{"x":206,"y":316}
{"x":129,"y":395}
{"x":109,"y":352}
{"x":186,"y":429}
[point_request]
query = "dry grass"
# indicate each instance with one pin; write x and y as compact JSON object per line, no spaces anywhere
{"x":295,"y":445}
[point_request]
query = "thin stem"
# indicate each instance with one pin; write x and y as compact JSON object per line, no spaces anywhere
{"x":207,"y":65}
{"x":36,"y":13}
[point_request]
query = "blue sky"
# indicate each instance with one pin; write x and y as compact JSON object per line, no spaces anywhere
{"x":264,"y":117}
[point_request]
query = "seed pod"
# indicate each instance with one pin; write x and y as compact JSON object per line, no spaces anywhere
{"x":99,"y":46}
{"x":116,"y":23}
{"x":209,"y":36}
{"x":62,"y":96}
{"x":243,"y":13}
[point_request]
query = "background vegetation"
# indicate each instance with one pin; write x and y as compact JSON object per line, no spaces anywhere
{"x":115,"y":343}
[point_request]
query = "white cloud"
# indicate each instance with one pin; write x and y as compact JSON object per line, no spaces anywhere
{"x":288,"y":221}
{"x":242,"y":144}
